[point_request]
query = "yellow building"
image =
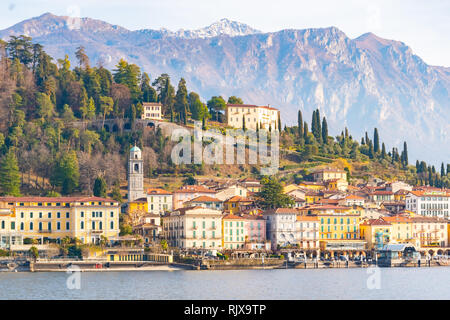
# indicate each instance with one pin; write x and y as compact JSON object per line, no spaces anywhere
{"x":339,"y":226}
{"x":264,"y":117}
{"x":312,"y":185}
{"x":138,"y":205}
{"x":402,"y":229}
{"x":312,"y":197}
{"x":85,"y":218}
{"x":376,"y":232}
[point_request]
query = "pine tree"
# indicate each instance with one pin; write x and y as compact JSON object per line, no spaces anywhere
{"x":9,"y":175}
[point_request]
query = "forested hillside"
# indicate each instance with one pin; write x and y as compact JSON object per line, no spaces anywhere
{"x":48,"y":147}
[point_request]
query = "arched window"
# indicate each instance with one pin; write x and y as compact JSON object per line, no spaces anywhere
{"x":112,"y":225}
{"x":31,"y":225}
{"x":93,"y":225}
{"x":100,"y":225}
{"x":136,"y":167}
{"x":82,"y":224}
{"x":22,"y":226}
{"x":40,"y":225}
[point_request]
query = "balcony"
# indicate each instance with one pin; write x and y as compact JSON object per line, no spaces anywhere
{"x":45,"y":231}
{"x":96,"y":231}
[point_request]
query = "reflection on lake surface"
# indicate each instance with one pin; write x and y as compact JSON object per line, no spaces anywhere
{"x":393,"y":283}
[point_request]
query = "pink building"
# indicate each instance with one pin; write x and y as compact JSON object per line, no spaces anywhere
{"x":255,"y":229}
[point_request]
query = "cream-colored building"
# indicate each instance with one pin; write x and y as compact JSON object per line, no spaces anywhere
{"x":323,"y":175}
{"x":151,"y":111}
{"x":159,"y":200}
{"x":263,"y":116}
{"x":193,"y":227}
{"x":84,"y":218}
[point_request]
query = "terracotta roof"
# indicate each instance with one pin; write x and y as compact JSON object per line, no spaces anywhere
{"x":160,"y":191}
{"x":418,"y":219}
{"x":232,"y":216}
{"x":194,"y":189}
{"x":353,"y":197}
{"x":281,"y":211}
{"x":238,"y":199}
{"x":307,"y":218}
{"x":204,"y":199}
{"x":398,"y":219}
{"x":434,"y":193}
{"x":376,"y":222}
{"x":381,"y":192}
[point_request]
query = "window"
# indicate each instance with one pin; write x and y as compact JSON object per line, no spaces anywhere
{"x":112,"y":225}
{"x":58,"y":215}
{"x":58,"y":225}
{"x":31,"y":225}
{"x":67,"y":215}
{"x":93,"y":225}
{"x":82,"y":225}
{"x":82,"y":214}
{"x":67,"y":226}
{"x":40,"y":226}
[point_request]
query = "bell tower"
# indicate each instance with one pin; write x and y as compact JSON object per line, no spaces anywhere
{"x":135,"y":174}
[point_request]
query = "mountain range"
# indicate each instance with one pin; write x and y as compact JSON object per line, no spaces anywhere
{"x":360,"y":83}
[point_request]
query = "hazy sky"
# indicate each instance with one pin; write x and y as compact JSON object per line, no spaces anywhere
{"x":424,"y":25}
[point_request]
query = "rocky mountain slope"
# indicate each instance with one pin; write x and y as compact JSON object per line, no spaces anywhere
{"x":361,"y":83}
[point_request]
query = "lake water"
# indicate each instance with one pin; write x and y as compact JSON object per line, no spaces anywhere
{"x":389,"y":283}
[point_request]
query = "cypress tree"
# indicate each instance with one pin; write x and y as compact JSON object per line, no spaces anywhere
{"x":405,"y":154}
{"x":448,"y":168}
{"x":324,"y":130}
{"x":313,"y":123}
{"x":362,"y":141}
{"x":100,"y":187}
{"x":300,"y":124}
{"x":243,"y":124}
{"x":305,"y":130}
{"x":371,"y":153}
{"x":383,"y":151}
{"x":318,"y":133}
{"x":442,"y":170}
{"x":279,"y":122}
{"x":376,"y":141}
